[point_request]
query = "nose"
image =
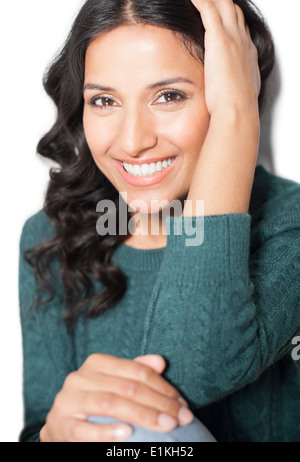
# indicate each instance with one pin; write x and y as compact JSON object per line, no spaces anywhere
{"x":137,"y":131}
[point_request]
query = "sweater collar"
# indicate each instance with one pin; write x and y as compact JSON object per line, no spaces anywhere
{"x":138,"y":259}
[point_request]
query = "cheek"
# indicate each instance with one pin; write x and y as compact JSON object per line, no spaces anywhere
{"x":188,"y":130}
{"x":97,"y":135}
{"x":195,"y":131}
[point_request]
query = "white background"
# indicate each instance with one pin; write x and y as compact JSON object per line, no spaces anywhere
{"x":31,"y":32}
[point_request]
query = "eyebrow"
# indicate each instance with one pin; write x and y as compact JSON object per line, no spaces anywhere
{"x":162,"y":83}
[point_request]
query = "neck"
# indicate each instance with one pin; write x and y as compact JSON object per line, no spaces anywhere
{"x":146,"y":231}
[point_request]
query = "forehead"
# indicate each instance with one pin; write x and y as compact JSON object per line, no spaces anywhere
{"x":139,"y":49}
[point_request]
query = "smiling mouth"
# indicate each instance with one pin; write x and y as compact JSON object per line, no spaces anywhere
{"x":147,"y":169}
{"x":144,"y":175}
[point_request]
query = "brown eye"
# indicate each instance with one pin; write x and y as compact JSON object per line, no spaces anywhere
{"x":103,"y":101}
{"x":168,"y":96}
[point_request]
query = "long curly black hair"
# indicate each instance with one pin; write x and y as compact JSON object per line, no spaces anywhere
{"x":76,"y":185}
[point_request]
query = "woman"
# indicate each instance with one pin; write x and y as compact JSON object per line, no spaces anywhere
{"x":139,"y":329}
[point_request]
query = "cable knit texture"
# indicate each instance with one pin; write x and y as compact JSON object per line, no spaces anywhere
{"x":223,"y":315}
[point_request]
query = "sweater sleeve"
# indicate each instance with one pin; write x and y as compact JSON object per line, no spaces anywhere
{"x":43,"y":370}
{"x":219,"y":315}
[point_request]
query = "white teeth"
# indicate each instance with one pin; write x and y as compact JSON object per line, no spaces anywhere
{"x":136,"y":170}
{"x":152,"y":167}
{"x":147,"y":169}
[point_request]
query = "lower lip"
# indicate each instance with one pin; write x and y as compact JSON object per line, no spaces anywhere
{"x":147,"y":180}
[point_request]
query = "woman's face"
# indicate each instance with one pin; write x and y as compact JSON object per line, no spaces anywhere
{"x":144,"y":104}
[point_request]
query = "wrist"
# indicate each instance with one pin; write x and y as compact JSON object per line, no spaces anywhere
{"x":247,"y":116}
{"x":223,"y":176}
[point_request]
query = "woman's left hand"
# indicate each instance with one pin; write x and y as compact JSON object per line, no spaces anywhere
{"x":232,"y":76}
{"x":223,"y":177}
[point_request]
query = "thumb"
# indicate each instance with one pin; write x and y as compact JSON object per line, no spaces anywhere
{"x":156,"y":362}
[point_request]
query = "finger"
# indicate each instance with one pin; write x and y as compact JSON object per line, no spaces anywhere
{"x":209,"y":14}
{"x":241,"y":18}
{"x":248,"y":33}
{"x":135,"y":391}
{"x":112,"y":405}
{"x":79,"y":431}
{"x":243,"y":25}
{"x":156,"y":362}
{"x":111,"y":365}
{"x":227,"y":11}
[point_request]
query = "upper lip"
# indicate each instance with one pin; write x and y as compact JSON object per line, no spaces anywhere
{"x":144,"y":161}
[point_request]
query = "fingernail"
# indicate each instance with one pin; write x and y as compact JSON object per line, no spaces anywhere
{"x":123,"y":432}
{"x":182,"y":402}
{"x":185,"y":416}
{"x":167,"y":421}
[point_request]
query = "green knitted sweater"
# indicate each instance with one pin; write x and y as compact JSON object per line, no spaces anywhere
{"x":223,"y":315}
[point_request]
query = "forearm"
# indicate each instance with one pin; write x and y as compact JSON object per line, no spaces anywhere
{"x":225,"y":170}
{"x":200,"y":317}
{"x":218,"y":328}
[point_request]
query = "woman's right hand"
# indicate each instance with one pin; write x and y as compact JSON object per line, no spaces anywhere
{"x":130,"y":390}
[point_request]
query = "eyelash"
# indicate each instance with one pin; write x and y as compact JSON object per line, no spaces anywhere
{"x":179,"y":94}
{"x":182,"y":96}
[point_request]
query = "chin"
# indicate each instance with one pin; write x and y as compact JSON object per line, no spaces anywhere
{"x":154,"y":206}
